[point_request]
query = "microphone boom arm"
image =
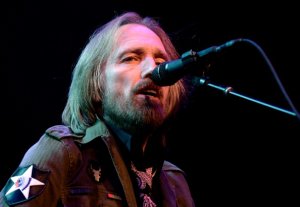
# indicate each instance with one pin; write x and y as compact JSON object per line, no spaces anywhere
{"x":229,"y":90}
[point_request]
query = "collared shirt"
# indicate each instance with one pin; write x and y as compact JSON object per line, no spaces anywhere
{"x":123,"y":136}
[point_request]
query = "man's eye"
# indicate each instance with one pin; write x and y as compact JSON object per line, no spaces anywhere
{"x":129,"y":59}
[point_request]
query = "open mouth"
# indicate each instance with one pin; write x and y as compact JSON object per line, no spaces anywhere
{"x":149,"y":92}
{"x":148,"y":88}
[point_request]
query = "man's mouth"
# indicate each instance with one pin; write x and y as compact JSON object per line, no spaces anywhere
{"x":149,"y":92}
{"x":148,"y":88}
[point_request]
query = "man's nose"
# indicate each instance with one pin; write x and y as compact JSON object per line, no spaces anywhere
{"x":148,"y":65}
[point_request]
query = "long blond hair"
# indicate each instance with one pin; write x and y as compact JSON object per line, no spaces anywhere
{"x":84,"y":102}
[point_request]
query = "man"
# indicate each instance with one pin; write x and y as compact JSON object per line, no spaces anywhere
{"x":110,"y":151}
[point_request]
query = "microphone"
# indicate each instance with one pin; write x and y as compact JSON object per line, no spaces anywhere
{"x":169,"y":72}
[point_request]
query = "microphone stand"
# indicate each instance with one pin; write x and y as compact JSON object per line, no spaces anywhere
{"x":229,"y":90}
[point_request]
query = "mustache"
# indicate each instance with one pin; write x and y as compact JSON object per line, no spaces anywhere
{"x":147,"y":85}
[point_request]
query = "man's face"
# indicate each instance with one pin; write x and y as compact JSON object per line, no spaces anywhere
{"x":131,"y":100}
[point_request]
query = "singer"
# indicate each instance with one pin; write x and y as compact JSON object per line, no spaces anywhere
{"x":110,"y":148}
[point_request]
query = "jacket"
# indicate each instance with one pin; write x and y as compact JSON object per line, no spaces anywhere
{"x":65,"y":169}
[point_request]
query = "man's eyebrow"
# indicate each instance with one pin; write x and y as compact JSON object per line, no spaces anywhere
{"x":161,"y":54}
{"x":140,"y":51}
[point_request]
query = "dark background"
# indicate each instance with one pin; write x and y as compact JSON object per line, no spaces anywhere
{"x":235,"y":152}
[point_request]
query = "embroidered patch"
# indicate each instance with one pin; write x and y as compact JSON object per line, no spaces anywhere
{"x":95,"y":171}
{"x":25,"y":184}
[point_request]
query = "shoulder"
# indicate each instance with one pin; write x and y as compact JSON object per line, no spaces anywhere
{"x":58,"y":140}
{"x":60,"y":132}
{"x":174,"y":174}
{"x":168,"y":166}
{"x":176,"y":178}
{"x":47,"y":165}
{"x":57,"y":143}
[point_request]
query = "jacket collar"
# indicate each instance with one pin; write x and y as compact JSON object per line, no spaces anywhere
{"x":99,"y":129}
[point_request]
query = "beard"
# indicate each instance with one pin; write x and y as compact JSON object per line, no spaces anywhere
{"x":131,"y":114}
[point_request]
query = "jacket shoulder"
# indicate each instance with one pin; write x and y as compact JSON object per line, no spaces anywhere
{"x":60,"y":132}
{"x":176,"y":178}
{"x":168,"y":166}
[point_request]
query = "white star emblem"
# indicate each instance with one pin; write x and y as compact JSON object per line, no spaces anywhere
{"x":24,"y":182}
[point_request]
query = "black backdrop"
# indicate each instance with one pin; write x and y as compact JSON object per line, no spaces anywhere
{"x":235,"y":152}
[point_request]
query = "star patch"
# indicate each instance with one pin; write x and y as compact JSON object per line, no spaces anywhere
{"x":25,"y":184}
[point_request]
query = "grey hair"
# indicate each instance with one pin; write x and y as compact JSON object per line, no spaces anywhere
{"x":84,"y":102}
